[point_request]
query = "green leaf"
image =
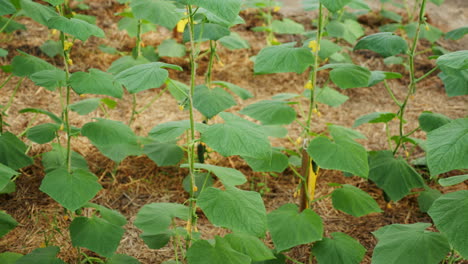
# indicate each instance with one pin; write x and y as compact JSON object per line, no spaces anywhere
{"x":283,"y":58}
{"x":350,"y":76}
{"x":206,"y":31}
{"x":380,"y":76}
{"x":6,"y":173}
{"x":159,"y":12}
{"x":349,"y":30}
{"x":430,"y":121}
{"x":446,"y":147}
{"x":170,"y":48}
{"x":307,"y":227}
{"x":277,"y":163}
{"x":234,"y":41}
{"x":43,"y":133}
{"x":202,"y":251}
{"x":384,"y":43}
{"x":342,"y":153}
{"x":394,"y":175}
{"x":75,"y":27}
{"x":271,"y":112}
{"x":376,"y":117}
{"x":49,"y":79}
{"x":287,"y":26}
{"x":71,"y":190}
{"x":427,"y":198}
{"x":432,"y":35}
{"x":55,"y":2}
{"x":211,"y":102}
{"x":451,"y":180}
{"x":41,"y":256}
{"x":327,"y":48}
{"x":52,"y":48}
{"x":250,"y":246}
{"x":335,"y":5}
{"x":39,"y":13}
{"x":145,"y":76}
{"x":341,"y":248}
{"x":57,"y":158}
{"x":391,"y":15}
{"x":244,"y":94}
{"x":329,"y":96}
{"x":122,"y":259}
{"x":455,"y":81}
{"x":96,"y":234}
{"x":164,"y":154}
{"x":52,"y":116}
{"x":237,"y":136}
{"x":228,"y":176}
{"x":169,"y":131}
{"x":3,"y":52}
{"x":15,"y":157}
{"x":86,"y":106}
{"x":409,"y":244}
{"x":449,"y":213}
{"x":9,"y":257}
{"x":202,"y":181}
{"x":6,"y":8}
{"x":238,"y":210}
{"x":7,"y":223}
{"x":457,"y":34}
{"x":27,"y":65}
{"x":95,"y":82}
{"x":456,"y":60}
{"x":109,"y":215}
{"x":227,"y":9}
{"x":341,"y":131}
{"x":130,"y":24}
{"x":124,"y":63}
{"x":354,"y":201}
{"x":113,"y":138}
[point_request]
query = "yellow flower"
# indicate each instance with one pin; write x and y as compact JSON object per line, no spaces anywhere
{"x":181,"y":25}
{"x":276,"y":8}
{"x":67,"y":45}
{"x":313,"y":45}
{"x":66,"y":217}
{"x":298,"y":141}
{"x":407,"y":153}
{"x":195,"y":188}
{"x":427,"y":27}
{"x":181,"y":107}
{"x":42,"y":245}
{"x":69,"y":61}
{"x":54,"y":32}
{"x":73,"y":13}
{"x":317,"y":112}
{"x":274,"y":41}
{"x":309,"y":85}
{"x":61,"y":127}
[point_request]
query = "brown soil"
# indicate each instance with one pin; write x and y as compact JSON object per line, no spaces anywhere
{"x":139,"y":181}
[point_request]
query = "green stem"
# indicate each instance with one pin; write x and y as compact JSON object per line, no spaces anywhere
{"x":138,"y":42}
{"x":427,"y":74}
{"x":8,"y":22}
{"x":208,"y":76}
{"x":392,"y":95}
{"x":387,"y":131}
{"x":144,"y":108}
{"x":269,"y":17}
{"x":6,"y":81}
{"x":10,"y":100}
{"x":134,"y":112}
{"x":293,"y":260}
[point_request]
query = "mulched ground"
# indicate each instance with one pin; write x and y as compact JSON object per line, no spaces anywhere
{"x":139,"y":181}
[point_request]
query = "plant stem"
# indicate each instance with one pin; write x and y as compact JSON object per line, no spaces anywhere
{"x":389,"y":90}
{"x":152,"y":101}
{"x":387,"y":131}
{"x":134,"y":112}
{"x":6,"y":81}
{"x":208,"y":76}
{"x":426,"y":74}
{"x":293,"y":260}
{"x":10,"y":101}
{"x":8,"y":22}
{"x":191,"y":140}
{"x":136,"y":56}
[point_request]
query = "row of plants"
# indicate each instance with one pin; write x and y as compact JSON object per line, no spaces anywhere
{"x":207,"y":23}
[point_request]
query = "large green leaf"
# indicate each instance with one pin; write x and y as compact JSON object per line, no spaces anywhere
{"x":156,"y":218}
{"x":227,"y":9}
{"x":26,"y":65}
{"x":9,"y":257}
{"x":43,"y":133}
{"x":211,"y":102}
{"x":384,"y":43}
{"x":202,"y":252}
{"x":329,"y":96}
{"x":228,"y":176}
{"x":6,"y":8}
{"x":271,"y":112}
{"x":15,"y":157}
{"x":455,"y":81}
{"x":145,"y":76}
{"x":164,"y":154}
{"x":287,"y":26}
{"x":239,"y":91}
{"x":39,"y":13}
{"x":427,"y":198}
{"x":427,"y":31}
{"x":237,"y":136}
{"x":394,"y":175}
{"x":96,"y":234}
{"x":170,"y":48}
{"x":340,"y":249}
{"x":289,"y":228}
{"x":113,"y":138}
{"x":430,"y":121}
{"x":75,"y":27}
{"x":169,"y":131}
{"x":349,"y":75}
{"x":335,"y":5}
{"x":449,"y":213}
{"x":6,"y":173}
{"x":95,"y":82}
{"x":349,"y":30}
{"x":455,"y":60}
{"x":126,"y":62}
{"x":160,"y":12}
{"x":109,"y":215}
{"x":234,"y":41}
{"x":71,"y":190}
{"x":238,"y":210}
{"x":354,"y":201}
{"x":41,"y":256}
{"x":49,"y":79}
{"x":457,"y":34}
{"x":375,"y":117}
{"x":250,"y":246}
{"x":57,"y":158}
{"x":453,"y":180}
{"x":7,"y":223}
{"x":343,"y":153}
{"x":86,"y":106}
{"x":206,"y":31}
{"x":122,"y":259}
{"x":409,"y":244}
{"x":130,"y":24}
{"x":283,"y":58}
{"x":277,"y":163}
{"x":446,"y":147}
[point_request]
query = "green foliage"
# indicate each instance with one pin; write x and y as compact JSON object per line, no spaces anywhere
{"x":277,"y":163}
{"x":287,"y":26}
{"x":430,"y":121}
{"x":49,"y":79}
{"x":457,"y":34}
{"x":354,"y":201}
{"x":39,"y":13}
{"x":341,"y":248}
{"x":9,"y":257}
{"x":57,"y":158}
{"x":307,"y":227}
{"x":217,"y":253}
{"x":15,"y":158}
{"x":27,"y":65}
{"x":211,"y":102}
{"x":228,"y":176}
{"x":234,"y":41}
{"x":409,"y":244}
{"x":241,"y":92}
{"x":238,"y":210}
{"x":75,"y":27}
{"x":43,"y":133}
{"x":384,"y":43}
{"x":334,"y":5}
{"x":227,"y":9}
{"x":86,"y":106}
{"x":41,"y":256}
{"x":6,"y":8}
{"x":271,"y":112}
{"x":206,"y":31}
{"x":164,"y":154}
{"x":283,"y":58}
{"x":449,"y":213}
{"x":6,"y":174}
{"x":427,"y":198}
{"x":122,"y":259}
{"x":453,"y":180}
{"x":159,"y":12}
{"x":95,"y":82}
{"x":170,"y":48}
{"x":7,"y":223}
{"x":349,"y":30}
